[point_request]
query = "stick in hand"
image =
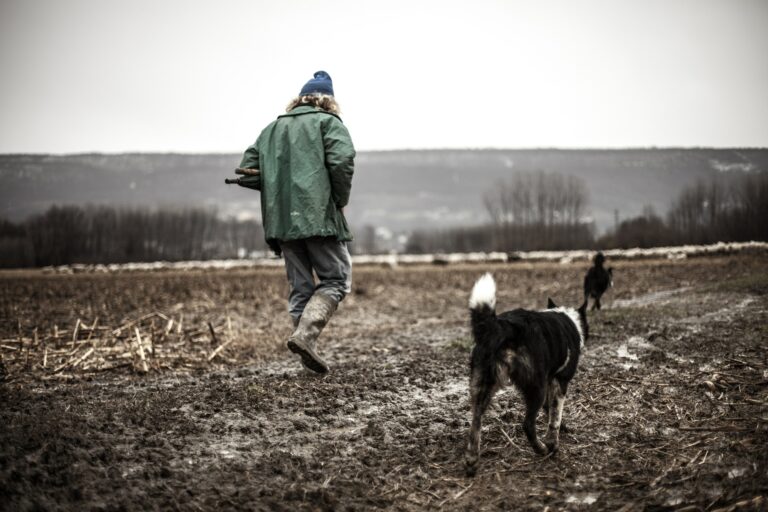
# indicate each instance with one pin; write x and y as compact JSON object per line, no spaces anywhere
{"x":242,"y":172}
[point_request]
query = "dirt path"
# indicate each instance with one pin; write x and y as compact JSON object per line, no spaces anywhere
{"x":669,"y":407}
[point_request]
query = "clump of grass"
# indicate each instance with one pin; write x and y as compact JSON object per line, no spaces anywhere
{"x":462,"y":344}
{"x":255,"y":389}
{"x":752,"y":283}
{"x":608,"y":314}
{"x":623,"y":315}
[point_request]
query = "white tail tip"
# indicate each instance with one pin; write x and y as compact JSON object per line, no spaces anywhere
{"x":483,"y":293}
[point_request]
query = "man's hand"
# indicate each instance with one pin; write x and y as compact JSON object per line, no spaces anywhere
{"x":248,"y":172}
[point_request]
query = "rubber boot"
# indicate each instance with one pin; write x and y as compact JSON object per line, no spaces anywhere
{"x":303,"y":341}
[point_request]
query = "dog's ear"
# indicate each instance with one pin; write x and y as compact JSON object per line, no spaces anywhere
{"x":550,"y":303}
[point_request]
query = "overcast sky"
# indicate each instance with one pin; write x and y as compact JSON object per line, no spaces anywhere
{"x":207,"y":76}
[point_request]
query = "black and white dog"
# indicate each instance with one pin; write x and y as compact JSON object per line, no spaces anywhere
{"x":597,"y":280}
{"x":537,"y":351}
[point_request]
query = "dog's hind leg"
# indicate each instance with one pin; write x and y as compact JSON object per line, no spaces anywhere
{"x":480,"y":397}
{"x":555,"y":415}
{"x":534,"y":399}
{"x":548,"y":406}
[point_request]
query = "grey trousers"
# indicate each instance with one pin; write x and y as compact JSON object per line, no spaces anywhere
{"x":330,"y":261}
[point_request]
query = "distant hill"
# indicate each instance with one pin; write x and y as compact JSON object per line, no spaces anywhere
{"x":397,"y":190}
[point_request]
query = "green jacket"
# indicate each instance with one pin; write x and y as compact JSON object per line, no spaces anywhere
{"x":306,"y":158}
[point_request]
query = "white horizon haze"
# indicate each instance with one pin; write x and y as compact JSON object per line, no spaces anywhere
{"x":190,"y":76}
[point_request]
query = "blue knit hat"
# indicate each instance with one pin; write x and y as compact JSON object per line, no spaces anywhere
{"x":320,"y":84}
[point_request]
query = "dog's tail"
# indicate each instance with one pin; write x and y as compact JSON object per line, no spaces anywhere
{"x":482,"y":306}
{"x":483,"y":294}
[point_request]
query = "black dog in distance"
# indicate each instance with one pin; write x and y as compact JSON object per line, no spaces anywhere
{"x":597,"y":280}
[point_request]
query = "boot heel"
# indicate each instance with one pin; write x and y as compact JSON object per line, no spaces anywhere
{"x":308,"y":358}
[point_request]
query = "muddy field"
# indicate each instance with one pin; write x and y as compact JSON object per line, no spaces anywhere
{"x":668,"y":411}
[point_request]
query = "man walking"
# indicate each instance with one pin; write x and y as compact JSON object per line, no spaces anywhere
{"x":306,"y":159}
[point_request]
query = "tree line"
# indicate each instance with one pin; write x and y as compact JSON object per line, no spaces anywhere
{"x":548,"y":211}
{"x":103,"y":234}
{"x":722,"y":209}
{"x":529,"y":211}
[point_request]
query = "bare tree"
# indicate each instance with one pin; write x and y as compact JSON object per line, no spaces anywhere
{"x":720,"y":210}
{"x":538,"y":210}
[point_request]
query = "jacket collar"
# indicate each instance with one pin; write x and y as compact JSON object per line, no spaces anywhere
{"x":307,"y":109}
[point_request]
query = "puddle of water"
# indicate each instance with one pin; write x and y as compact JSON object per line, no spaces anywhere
{"x":640,"y":342}
{"x":675,"y":500}
{"x":303,"y":451}
{"x":373,"y":409}
{"x":708,"y":367}
{"x":737,"y":472}
{"x":624,"y":353}
{"x":582,"y":499}
{"x":457,"y":387}
{"x":227,"y":454}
